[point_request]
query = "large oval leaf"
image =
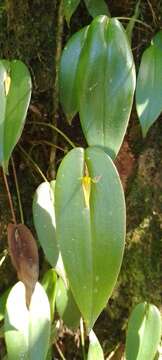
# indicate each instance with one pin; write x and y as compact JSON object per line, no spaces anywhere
{"x":67,"y":74}
{"x":44,"y":220}
{"x":95,"y":351}
{"x":66,"y":306}
{"x":149,"y":85}
{"x":96,"y":7}
{"x":15,"y":93}
{"x":90,"y":218}
{"x":105,"y":84}
{"x":27,"y":332}
{"x":144,"y":332}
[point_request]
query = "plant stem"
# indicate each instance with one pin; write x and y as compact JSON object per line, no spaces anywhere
{"x":41,"y":123}
{"x":58,"y":37}
{"x":40,"y":142}
{"x":9,"y":198}
{"x":18,"y":191}
{"x":3,"y":258}
{"x":60,"y":352}
{"x":82,"y":338}
{"x":135,"y":20}
{"x":33,"y":163}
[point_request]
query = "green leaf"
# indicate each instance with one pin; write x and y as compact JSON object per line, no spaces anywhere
{"x":95,"y":351}
{"x":49,"y":283}
{"x":97,"y":7}
{"x":90,"y":218}
{"x":97,"y":78}
{"x":27,"y":332}
{"x":105,"y":84}
{"x":66,"y":306}
{"x":60,"y":269}
{"x":44,"y":220}
{"x":149,"y":85}
{"x":2,"y":107}
{"x":69,"y":8}
{"x":67,"y":74}
{"x":144,"y":332}
{"x":15,"y":93}
{"x":3,"y":300}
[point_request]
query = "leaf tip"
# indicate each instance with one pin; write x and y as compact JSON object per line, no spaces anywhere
{"x":144,"y":132}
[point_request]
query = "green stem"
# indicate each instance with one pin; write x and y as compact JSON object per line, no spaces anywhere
{"x":82,"y":338}
{"x":9,"y":198}
{"x":41,"y":123}
{"x":18,"y":191}
{"x":33,"y":163}
{"x":40,"y":142}
{"x":137,"y":21}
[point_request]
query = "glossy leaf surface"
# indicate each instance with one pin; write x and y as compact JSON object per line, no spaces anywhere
{"x":105,"y":84}
{"x":95,"y":351}
{"x":44,"y":220}
{"x":149,"y":85}
{"x":27,"y":332}
{"x":144,"y":332}
{"x":15,"y":93}
{"x":69,"y":8}
{"x":67,"y":75}
{"x":90,"y":227}
{"x":66,"y":306}
{"x":49,"y":283}
{"x":96,"y":7}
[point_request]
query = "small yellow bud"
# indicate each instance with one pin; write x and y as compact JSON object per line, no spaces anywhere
{"x":86,"y":184}
{"x":7,"y":83}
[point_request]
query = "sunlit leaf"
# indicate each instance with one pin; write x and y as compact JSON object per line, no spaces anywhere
{"x":91,"y":236}
{"x":67,"y":75}
{"x":97,"y":78}
{"x":69,"y":8}
{"x":105,"y":84}
{"x":97,"y":7}
{"x":27,"y":332}
{"x":44,"y":220}
{"x":95,"y":351}
{"x":66,"y":306}
{"x":15,"y":93}
{"x":144,"y":332}
{"x":149,"y":84}
{"x":49,"y":283}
